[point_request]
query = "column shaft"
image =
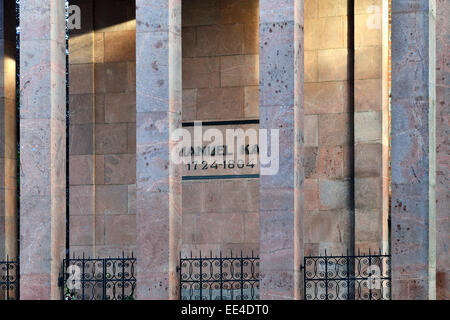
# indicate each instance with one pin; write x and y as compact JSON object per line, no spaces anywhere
{"x":43,"y":147}
{"x":281,"y":108}
{"x":413,"y":150}
{"x":158,"y":181}
{"x":442,"y":149}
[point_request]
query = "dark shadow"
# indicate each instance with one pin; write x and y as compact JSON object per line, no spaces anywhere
{"x":351,"y":111}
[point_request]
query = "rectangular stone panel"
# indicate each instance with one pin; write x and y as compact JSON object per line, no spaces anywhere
{"x":113,"y":77}
{"x":81,"y":170}
{"x":111,"y":199}
{"x":325,"y":33}
{"x":332,"y":8}
{"x":82,"y":48}
{"x":334,"y":194}
{"x":120,"y":46}
{"x":368,"y":63}
{"x":239,"y":71}
{"x":220,"y":103}
{"x":326,"y":97}
{"x":111,"y":138}
{"x":82,"y":200}
{"x":311,"y":131}
{"x":251,"y":100}
{"x":120,"y":230}
{"x":120,"y":107}
{"x":81,"y":230}
{"x":239,"y":11}
{"x":120,"y":169}
{"x":201,"y":73}
{"x":311,"y":66}
{"x":217,"y":228}
{"x":81,"y":108}
{"x":217,"y":158}
{"x":328,"y":226}
{"x":333,"y":65}
{"x":334,"y":129}
{"x":198,"y":12}
{"x":81,"y":78}
{"x":218,"y":40}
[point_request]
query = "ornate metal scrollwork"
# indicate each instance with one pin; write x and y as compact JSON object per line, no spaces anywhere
{"x":219,"y":278}
{"x":9,"y":280}
{"x":347,"y":277}
{"x":100,"y":279}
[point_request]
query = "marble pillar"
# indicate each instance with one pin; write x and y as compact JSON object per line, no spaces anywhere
{"x":442,"y":149}
{"x":43,"y":147}
{"x":281,"y":108}
{"x":413,"y":205}
{"x":158,"y":180}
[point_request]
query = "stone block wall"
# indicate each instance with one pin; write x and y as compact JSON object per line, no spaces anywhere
{"x":371,"y":125}
{"x":8,"y":129}
{"x":220,"y":82}
{"x":220,"y":60}
{"x":103,"y":129}
{"x":81,"y":133}
{"x":346,"y":126}
{"x":328,"y":128}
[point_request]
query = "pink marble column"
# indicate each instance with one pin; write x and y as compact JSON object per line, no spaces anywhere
{"x":43,"y":147}
{"x":281,"y":107}
{"x":8,"y":142}
{"x":413,"y":150}
{"x":442,"y":149}
{"x":158,"y":106}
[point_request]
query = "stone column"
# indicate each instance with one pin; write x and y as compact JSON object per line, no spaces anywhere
{"x":43,"y":147}
{"x":8,"y":145}
{"x":413,"y":150}
{"x":158,"y":106}
{"x":442,"y":149}
{"x":281,"y":107}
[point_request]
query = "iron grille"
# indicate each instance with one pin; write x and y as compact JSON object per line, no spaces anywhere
{"x":9,"y":280}
{"x":219,"y":278}
{"x":99,"y":279}
{"x":348,"y":277}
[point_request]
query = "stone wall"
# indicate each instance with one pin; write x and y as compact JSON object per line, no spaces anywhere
{"x":371,"y":125}
{"x":220,"y":82}
{"x":328,"y":128}
{"x":8,"y":146}
{"x":346,"y":133}
{"x":103,"y":129}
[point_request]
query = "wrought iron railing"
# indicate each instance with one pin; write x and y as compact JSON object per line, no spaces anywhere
{"x":99,"y":279}
{"x":219,"y":278}
{"x":348,"y":277}
{"x":9,"y":280}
